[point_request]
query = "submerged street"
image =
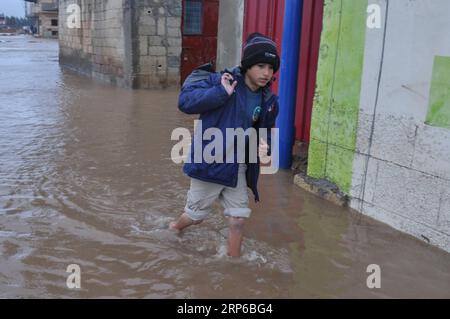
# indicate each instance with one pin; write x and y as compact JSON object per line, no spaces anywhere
{"x":86,"y":178}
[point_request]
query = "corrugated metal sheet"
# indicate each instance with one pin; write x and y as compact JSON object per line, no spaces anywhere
{"x":266,"y":17}
{"x":309,"y":54}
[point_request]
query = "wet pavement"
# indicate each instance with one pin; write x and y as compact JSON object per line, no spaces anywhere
{"x":86,"y":178}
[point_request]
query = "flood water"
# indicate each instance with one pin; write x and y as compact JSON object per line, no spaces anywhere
{"x":86,"y":178}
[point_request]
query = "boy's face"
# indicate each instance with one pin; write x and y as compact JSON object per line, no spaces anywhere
{"x":260,"y":74}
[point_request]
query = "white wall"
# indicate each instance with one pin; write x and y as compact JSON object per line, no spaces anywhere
{"x":402,"y":169}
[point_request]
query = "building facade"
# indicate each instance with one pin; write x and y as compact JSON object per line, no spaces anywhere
{"x":138,"y":44}
{"x":44,"y":17}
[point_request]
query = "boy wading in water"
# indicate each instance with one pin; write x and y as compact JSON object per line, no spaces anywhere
{"x":237,"y":98}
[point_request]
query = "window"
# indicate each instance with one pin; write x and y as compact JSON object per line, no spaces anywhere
{"x":54,"y":22}
{"x":192,"y":17}
{"x":54,"y":33}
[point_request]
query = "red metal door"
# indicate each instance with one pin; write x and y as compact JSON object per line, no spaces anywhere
{"x":266,"y":17}
{"x":199,"y":34}
{"x":309,"y":55}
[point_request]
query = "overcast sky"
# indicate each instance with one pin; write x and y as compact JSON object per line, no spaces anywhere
{"x":12,"y":8}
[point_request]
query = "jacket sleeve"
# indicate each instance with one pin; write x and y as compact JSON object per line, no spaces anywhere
{"x":202,"y":96}
{"x":270,"y":123}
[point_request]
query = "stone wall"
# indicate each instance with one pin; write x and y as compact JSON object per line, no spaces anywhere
{"x":159,"y":35}
{"x":135,"y":44}
{"x":97,"y":47}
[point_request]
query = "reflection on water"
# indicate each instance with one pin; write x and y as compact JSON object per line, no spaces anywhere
{"x":86,"y":178}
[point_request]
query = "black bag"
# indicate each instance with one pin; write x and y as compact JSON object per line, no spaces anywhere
{"x":201,"y":72}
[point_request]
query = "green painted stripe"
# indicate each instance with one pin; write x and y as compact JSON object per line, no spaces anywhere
{"x":439,"y":103}
{"x":336,"y":104}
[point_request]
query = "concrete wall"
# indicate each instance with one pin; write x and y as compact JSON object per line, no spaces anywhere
{"x":395,"y":145}
{"x":230,"y":32}
{"x":134,"y":44}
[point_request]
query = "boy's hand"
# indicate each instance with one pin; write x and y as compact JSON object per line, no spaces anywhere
{"x":262,"y":152}
{"x":226,"y":80}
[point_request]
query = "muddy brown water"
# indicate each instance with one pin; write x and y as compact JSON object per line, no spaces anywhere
{"x":86,"y":178}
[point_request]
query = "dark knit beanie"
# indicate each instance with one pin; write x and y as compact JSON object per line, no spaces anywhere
{"x":259,"y":49}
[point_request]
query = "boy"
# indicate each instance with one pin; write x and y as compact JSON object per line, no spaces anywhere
{"x":239,"y":98}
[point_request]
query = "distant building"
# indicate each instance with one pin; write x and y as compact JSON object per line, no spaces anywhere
{"x":2,"y":19}
{"x":44,"y":17}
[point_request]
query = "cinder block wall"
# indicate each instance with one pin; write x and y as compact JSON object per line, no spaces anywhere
{"x":96,"y":48}
{"x":159,"y":35}
{"x":381,"y":117}
{"x":135,"y":44}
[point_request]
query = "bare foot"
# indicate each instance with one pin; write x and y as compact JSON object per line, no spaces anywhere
{"x":172,"y":227}
{"x":182,"y":222}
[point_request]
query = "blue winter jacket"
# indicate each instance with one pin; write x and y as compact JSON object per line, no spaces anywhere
{"x":202,"y":93}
